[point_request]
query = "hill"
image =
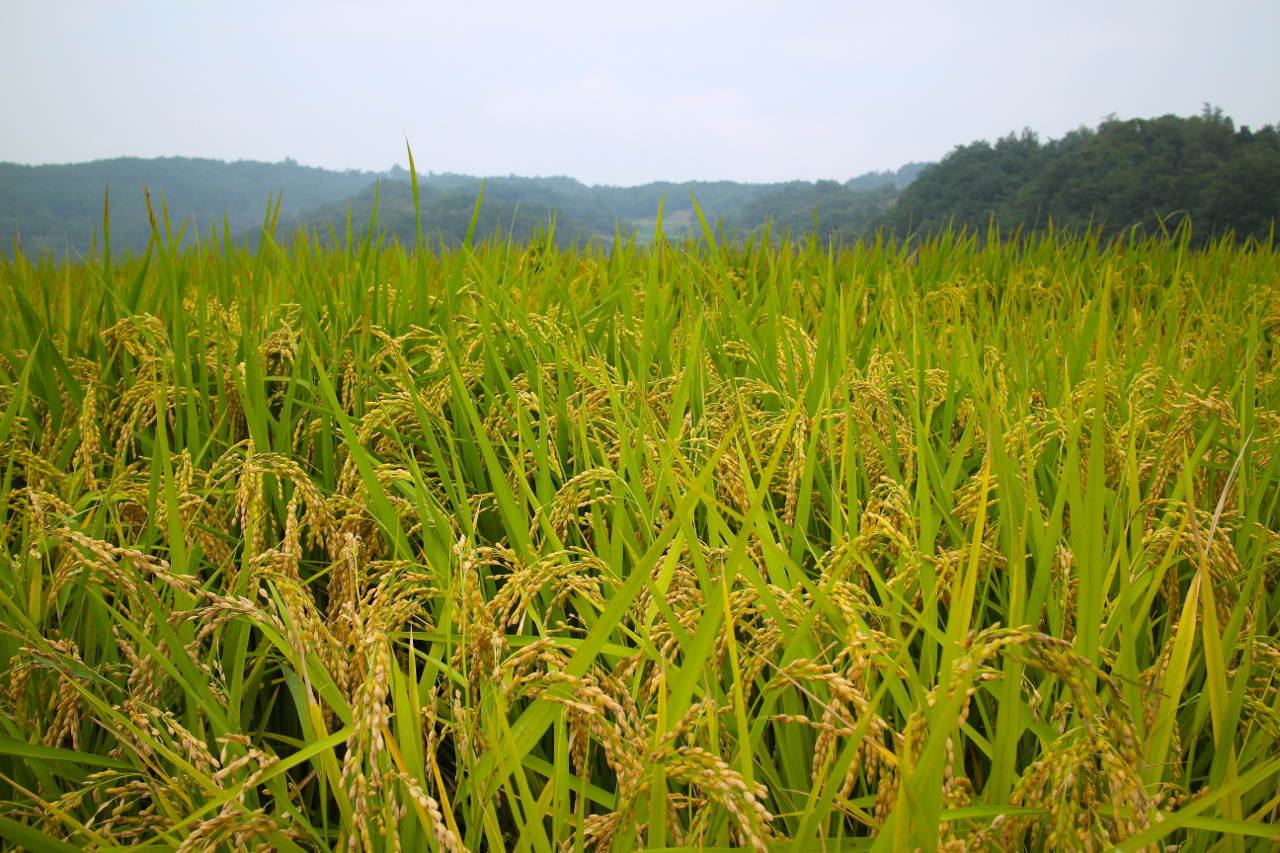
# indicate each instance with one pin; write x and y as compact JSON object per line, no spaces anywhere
{"x":56,"y":208}
{"x":446,"y":213}
{"x":1125,"y":175}
{"x":60,"y":206}
{"x":520,"y":205}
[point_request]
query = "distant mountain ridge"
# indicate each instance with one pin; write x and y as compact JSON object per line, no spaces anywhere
{"x":1139,"y":175}
{"x":59,"y":207}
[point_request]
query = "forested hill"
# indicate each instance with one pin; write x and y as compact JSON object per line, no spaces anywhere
{"x":1121,"y":176}
{"x":521,"y":205}
{"x":57,"y":206}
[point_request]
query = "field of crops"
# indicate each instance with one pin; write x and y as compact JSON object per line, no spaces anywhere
{"x":673,"y":546}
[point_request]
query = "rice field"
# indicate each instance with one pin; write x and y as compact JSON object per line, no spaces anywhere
{"x":346,"y":546}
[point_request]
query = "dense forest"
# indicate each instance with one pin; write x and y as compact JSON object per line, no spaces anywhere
{"x":1127,"y":175}
{"x":1136,"y":175}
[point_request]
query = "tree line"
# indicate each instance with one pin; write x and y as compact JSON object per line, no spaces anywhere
{"x":59,"y":208}
{"x":1135,"y":175}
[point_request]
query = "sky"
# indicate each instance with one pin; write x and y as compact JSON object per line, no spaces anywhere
{"x":615,"y":93}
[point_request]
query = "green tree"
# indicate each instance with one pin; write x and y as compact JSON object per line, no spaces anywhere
{"x":1137,"y":174}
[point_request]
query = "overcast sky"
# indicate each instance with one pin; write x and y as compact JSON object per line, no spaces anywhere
{"x":610,"y":92}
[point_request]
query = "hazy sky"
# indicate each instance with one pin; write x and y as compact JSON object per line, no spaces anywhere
{"x":610,"y":92}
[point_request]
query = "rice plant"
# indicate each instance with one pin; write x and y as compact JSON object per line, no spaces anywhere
{"x":351,"y":546}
